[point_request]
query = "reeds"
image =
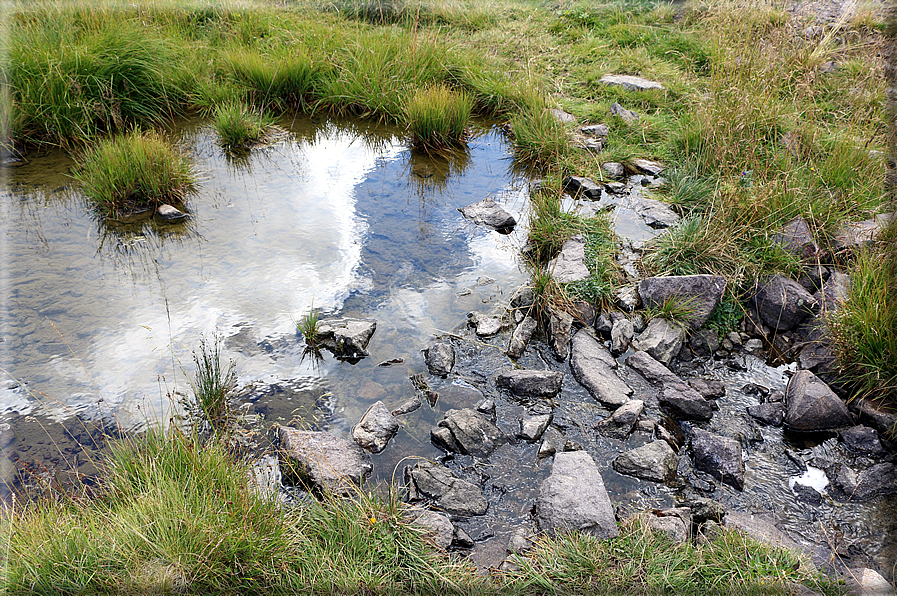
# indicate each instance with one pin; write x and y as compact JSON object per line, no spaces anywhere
{"x":239,"y":127}
{"x":437,"y":117}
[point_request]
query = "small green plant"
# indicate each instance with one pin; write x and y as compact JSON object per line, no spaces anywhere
{"x":673,"y":308}
{"x":308,"y":327}
{"x":437,"y":117}
{"x":135,"y":171}
{"x":213,"y":386}
{"x":238,"y":127}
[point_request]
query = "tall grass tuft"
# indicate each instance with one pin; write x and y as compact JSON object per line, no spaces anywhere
{"x":437,"y":117}
{"x":239,"y":127}
{"x":308,"y":327}
{"x":134,"y":171}
{"x":213,"y":383}
{"x":539,"y":139}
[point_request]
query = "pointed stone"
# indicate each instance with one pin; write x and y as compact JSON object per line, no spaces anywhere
{"x":593,"y":366}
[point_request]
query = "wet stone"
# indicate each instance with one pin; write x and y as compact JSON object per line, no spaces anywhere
{"x":473,"y":433}
{"x":450,"y":493}
{"x":532,"y":427}
{"x":170,"y":214}
{"x":520,"y":336}
{"x":593,"y":367}
{"x":440,"y":359}
{"x":579,"y":185}
{"x":408,"y":406}
{"x":486,"y":326}
{"x":619,"y":424}
{"x":812,"y":406}
{"x":560,"y":326}
{"x":657,"y":214}
{"x":653,"y":371}
{"x":708,"y":388}
{"x":771,"y":414}
{"x":662,"y":339}
{"x":487,"y":408}
{"x":444,"y":439}
{"x":864,"y":440}
{"x":718,"y":456}
{"x":655,"y":461}
{"x":345,"y":337}
{"x":323,"y":461}
{"x":531,"y":383}
{"x":573,"y":497}
{"x":490,"y":214}
{"x":375,"y":429}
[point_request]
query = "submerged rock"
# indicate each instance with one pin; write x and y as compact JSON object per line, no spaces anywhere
{"x":656,"y":214}
{"x":699,"y":293}
{"x":473,"y":433}
{"x":345,"y":337}
{"x":662,"y":339}
{"x":573,"y":497}
{"x":323,"y":461}
{"x":449,"y":493}
{"x":812,"y":406}
{"x":593,"y":366}
{"x":655,"y":461}
{"x":170,"y":214}
{"x":718,"y":456}
{"x":531,"y":383}
{"x":490,"y":214}
{"x":569,"y":265}
{"x":375,"y":429}
{"x":440,"y":359}
{"x":408,"y":406}
{"x":772,"y":413}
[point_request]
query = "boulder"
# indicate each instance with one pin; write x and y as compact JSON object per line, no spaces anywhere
{"x":627,"y":116}
{"x":662,"y":339}
{"x":345,"y":337}
{"x":449,"y":493}
{"x":653,"y":371}
{"x":812,"y":406}
{"x":490,"y":214}
{"x":630,"y":82}
{"x":440,"y":358}
{"x":619,"y":424}
{"x":531,"y":383}
{"x":718,"y":456}
{"x":782,"y":303}
{"x":684,"y":403}
{"x":621,"y":335}
{"x":532,"y":427}
{"x":593,"y":366}
{"x":569,"y":265}
{"x":473,"y":433}
{"x":613,"y":169}
{"x":700,"y":293}
{"x":656,"y":214}
{"x":322,"y":461}
{"x":560,"y":325}
{"x":521,"y":336}
{"x":796,"y":238}
{"x":578,"y":185}
{"x":170,"y":214}
{"x":772,"y":413}
{"x":439,"y":528}
{"x":573,"y":497}
{"x":863,"y":440}
{"x":655,"y":461}
{"x":375,"y":429}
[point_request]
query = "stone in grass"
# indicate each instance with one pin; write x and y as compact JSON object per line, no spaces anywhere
{"x":490,"y":214}
{"x":531,"y":383}
{"x":718,"y":456}
{"x":569,"y":265}
{"x":573,"y":497}
{"x":440,"y":358}
{"x":630,"y":82}
{"x":449,"y":493}
{"x":700,"y":294}
{"x":782,"y":303}
{"x":322,"y":461}
{"x":627,"y":116}
{"x":170,"y":214}
{"x":439,"y":528}
{"x":655,"y":461}
{"x":375,"y":429}
{"x":613,"y":169}
{"x":579,"y":185}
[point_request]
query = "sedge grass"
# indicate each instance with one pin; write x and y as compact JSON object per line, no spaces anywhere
{"x":239,"y":127}
{"x":437,"y":117}
{"x":214,"y":384}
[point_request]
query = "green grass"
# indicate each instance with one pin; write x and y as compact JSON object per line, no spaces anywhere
{"x":239,"y":127}
{"x":214,"y":384}
{"x":437,"y":117}
{"x":308,"y":327}
{"x":134,"y":171}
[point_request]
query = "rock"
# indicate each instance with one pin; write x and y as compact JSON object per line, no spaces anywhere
{"x":656,"y":214}
{"x":700,"y":293}
{"x":862,"y":233}
{"x":875,"y":416}
{"x":813,"y":277}
{"x":462,"y":539}
{"x":769,"y":413}
{"x":552,"y":442}
{"x":439,"y":526}
{"x":485,"y":325}
{"x":449,"y":493}
{"x":760,"y":526}
{"x":444,"y":439}
{"x":626,"y":115}
{"x":593,"y":367}
{"x":597,"y":130}
{"x":569,"y":265}
{"x":806,"y":494}
{"x":440,"y":359}
{"x":653,"y":371}
{"x":879,"y":480}
{"x":619,"y":424}
{"x":604,"y":323}
{"x":573,"y":497}
{"x":521,"y":541}
{"x":170,"y":214}
{"x":562,"y":116}
{"x":322,"y":461}
{"x":655,"y":461}
{"x":473,"y":433}
{"x":708,"y":388}
{"x":617,"y":188}
{"x":645,"y":166}
{"x":531,"y":383}
{"x":796,"y":238}
{"x":560,"y":325}
{"x":662,"y":339}
{"x":630,"y":83}
{"x":718,"y":456}
{"x":521,"y":336}
{"x":862,"y":581}
{"x":704,"y":343}
{"x":579,"y":185}
{"x":782,"y":303}
{"x":345,"y":337}
{"x":487,"y":408}
{"x":265,"y":477}
{"x":613,"y":169}
{"x":627,"y":298}
{"x":376,"y":428}
{"x":490,"y":214}
{"x":408,"y":406}
{"x":704,"y":510}
{"x":812,"y":406}
{"x":621,"y":335}
{"x":833,"y":293}
{"x":670,"y":525}
{"x":532,"y":427}
{"x":863,"y":440}
{"x":753,"y":346}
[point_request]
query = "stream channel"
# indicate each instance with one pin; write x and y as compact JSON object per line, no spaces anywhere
{"x":99,"y":319}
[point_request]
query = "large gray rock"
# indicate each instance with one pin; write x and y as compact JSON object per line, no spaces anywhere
{"x":531,"y":383}
{"x":684,"y":403}
{"x":440,"y":358}
{"x":569,"y":265}
{"x":490,"y":214}
{"x":630,"y":82}
{"x":578,"y":185}
{"x":593,"y":366}
{"x":560,"y":325}
{"x":376,"y":428}
{"x":782,"y":303}
{"x":656,"y":214}
{"x":345,"y":337}
{"x":532,"y":427}
{"x":521,"y":336}
{"x":449,"y":493}
{"x":718,"y":456}
{"x":812,"y":406}
{"x":772,"y":413}
{"x":797,"y":238}
{"x":619,"y":424}
{"x":573,"y":497}
{"x":833,"y":293}
{"x":861,"y":233}
{"x":322,"y":461}
{"x":701,"y":293}
{"x":473,"y":433}
{"x":662,"y":339}
{"x":863,"y":440}
{"x":655,"y":461}
{"x":653,"y":371}
{"x":439,"y":527}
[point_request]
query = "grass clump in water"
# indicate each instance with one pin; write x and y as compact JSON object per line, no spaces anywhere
{"x":238,"y":127}
{"x":308,"y":327}
{"x":133,"y":172}
{"x":213,"y":386}
{"x":437,"y":117}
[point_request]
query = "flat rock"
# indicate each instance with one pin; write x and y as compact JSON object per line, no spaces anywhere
{"x":562,"y":116}
{"x":863,"y":440}
{"x":708,"y":388}
{"x":621,"y":335}
{"x":861,"y":233}
{"x":170,"y":214}
{"x":718,"y":456}
{"x":671,"y":525}
{"x":560,"y":326}
{"x":593,"y":367}
{"x":439,"y":528}
{"x":579,"y":185}
{"x":862,"y":581}
{"x":596,"y":130}
{"x":485,"y":325}
{"x":569,"y":265}
{"x":532,"y":427}
{"x":653,"y":371}
{"x":684,"y":403}
{"x":782,"y":303}
{"x":375,"y":429}
{"x":520,"y":336}
{"x":531,"y":383}
{"x":613,"y":169}
{"x":662,"y":339}
{"x":771,"y":414}
{"x":408,"y":406}
{"x":449,"y":493}
{"x":619,"y":424}
{"x":324,"y":462}
{"x":797,"y":238}
{"x":656,"y":214}
{"x":473,"y":433}
{"x":655,"y":461}
{"x":627,"y":116}
{"x":490,"y":214}
{"x":345,"y":337}
{"x":630,"y":83}
{"x":440,"y":358}
{"x":646,"y":166}
{"x":573,"y":497}
{"x":812,"y":406}
{"x":700,"y":293}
